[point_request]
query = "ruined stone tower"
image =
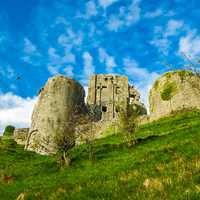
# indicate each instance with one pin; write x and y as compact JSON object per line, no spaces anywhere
{"x":109,"y":92}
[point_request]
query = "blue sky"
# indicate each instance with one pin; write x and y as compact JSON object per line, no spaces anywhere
{"x":138,"y":38}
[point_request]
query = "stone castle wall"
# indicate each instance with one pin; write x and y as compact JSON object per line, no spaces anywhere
{"x":110,"y":92}
{"x":59,"y":101}
{"x":174,"y":91}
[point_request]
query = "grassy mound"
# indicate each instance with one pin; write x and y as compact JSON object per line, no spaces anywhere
{"x":163,"y":164}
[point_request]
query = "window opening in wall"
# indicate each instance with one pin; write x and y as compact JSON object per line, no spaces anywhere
{"x":104,"y":86}
{"x":104,"y":108}
{"x":106,"y":79}
{"x":132,"y":96}
{"x":117,"y":90}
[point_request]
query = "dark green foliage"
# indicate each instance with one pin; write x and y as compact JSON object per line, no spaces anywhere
{"x":164,"y":164}
{"x":184,"y":74}
{"x":9,"y":131}
{"x":168,"y":91}
{"x":168,"y":75}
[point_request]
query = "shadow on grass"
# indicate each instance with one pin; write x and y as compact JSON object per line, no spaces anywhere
{"x":102,"y":150}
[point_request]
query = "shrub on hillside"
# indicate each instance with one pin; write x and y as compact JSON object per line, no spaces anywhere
{"x":9,"y":131}
{"x":64,"y":141}
{"x":128,"y":121}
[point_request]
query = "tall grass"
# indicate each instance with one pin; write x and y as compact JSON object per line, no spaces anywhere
{"x":164,"y":164}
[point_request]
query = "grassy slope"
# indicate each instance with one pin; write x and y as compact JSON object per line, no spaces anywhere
{"x":164,"y":164}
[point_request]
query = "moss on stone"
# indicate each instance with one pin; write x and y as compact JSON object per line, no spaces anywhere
{"x":156,"y":84}
{"x":183,"y":74}
{"x":168,"y":74}
{"x":168,"y":91}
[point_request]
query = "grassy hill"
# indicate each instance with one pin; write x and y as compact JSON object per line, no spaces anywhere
{"x":163,"y":164}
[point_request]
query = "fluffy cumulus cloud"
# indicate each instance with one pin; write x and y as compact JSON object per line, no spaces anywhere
{"x":69,"y":71}
{"x":30,"y":52}
{"x":91,"y":9}
{"x":163,"y":34}
{"x":158,"y":12}
{"x":107,"y":60}
{"x":114,"y":23}
{"x":70,"y":39}
{"x":106,"y":3}
{"x":133,"y":14}
{"x":88,"y":68}
{"x":173,"y":27}
{"x":62,"y":54}
{"x":15,"y":110}
{"x":126,"y":17}
{"x":56,"y":61}
{"x":190,"y":44}
{"x":140,"y":77}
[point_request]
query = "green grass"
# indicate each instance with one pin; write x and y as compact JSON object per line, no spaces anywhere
{"x":163,"y":164}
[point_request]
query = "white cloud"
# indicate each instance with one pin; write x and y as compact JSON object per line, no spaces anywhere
{"x":133,"y":14}
{"x":131,"y":68}
{"x":15,"y":110}
{"x":91,"y":9}
{"x":154,"y":14}
{"x":30,"y":52}
{"x":7,"y":71}
{"x":126,"y":17}
{"x":161,"y":35}
{"x":106,"y":3}
{"x":162,"y":44}
{"x":141,"y":77}
{"x":29,"y":47}
{"x":114,"y":23}
{"x":173,"y":27}
{"x":53,"y":70}
{"x":69,"y":57}
{"x":56,"y":62}
{"x":190,"y":44}
{"x":88,"y":68}
{"x":70,"y":39}
{"x":108,"y":60}
{"x":60,"y":20}
{"x":69,"y":71}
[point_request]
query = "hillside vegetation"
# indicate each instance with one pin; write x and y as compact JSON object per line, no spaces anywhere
{"x":163,"y":164}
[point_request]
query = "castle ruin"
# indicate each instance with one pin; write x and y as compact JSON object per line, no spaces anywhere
{"x":109,"y":92}
{"x":61,"y":110}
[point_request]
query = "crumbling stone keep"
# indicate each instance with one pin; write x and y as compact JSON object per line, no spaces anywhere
{"x":109,"y":92}
{"x":174,"y":91}
{"x":55,"y":113}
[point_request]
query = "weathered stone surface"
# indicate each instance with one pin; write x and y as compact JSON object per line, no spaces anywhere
{"x":174,"y":91}
{"x":20,"y":135}
{"x":109,"y":93}
{"x":94,"y":130}
{"x":59,"y":102}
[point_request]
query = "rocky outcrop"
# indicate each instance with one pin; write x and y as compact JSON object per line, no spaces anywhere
{"x":60,"y":103}
{"x":20,"y":135}
{"x":174,"y":91}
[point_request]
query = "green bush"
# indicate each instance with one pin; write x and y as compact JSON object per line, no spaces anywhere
{"x":9,"y":131}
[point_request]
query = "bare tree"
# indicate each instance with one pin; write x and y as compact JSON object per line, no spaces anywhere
{"x":128,"y":122}
{"x":65,"y":140}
